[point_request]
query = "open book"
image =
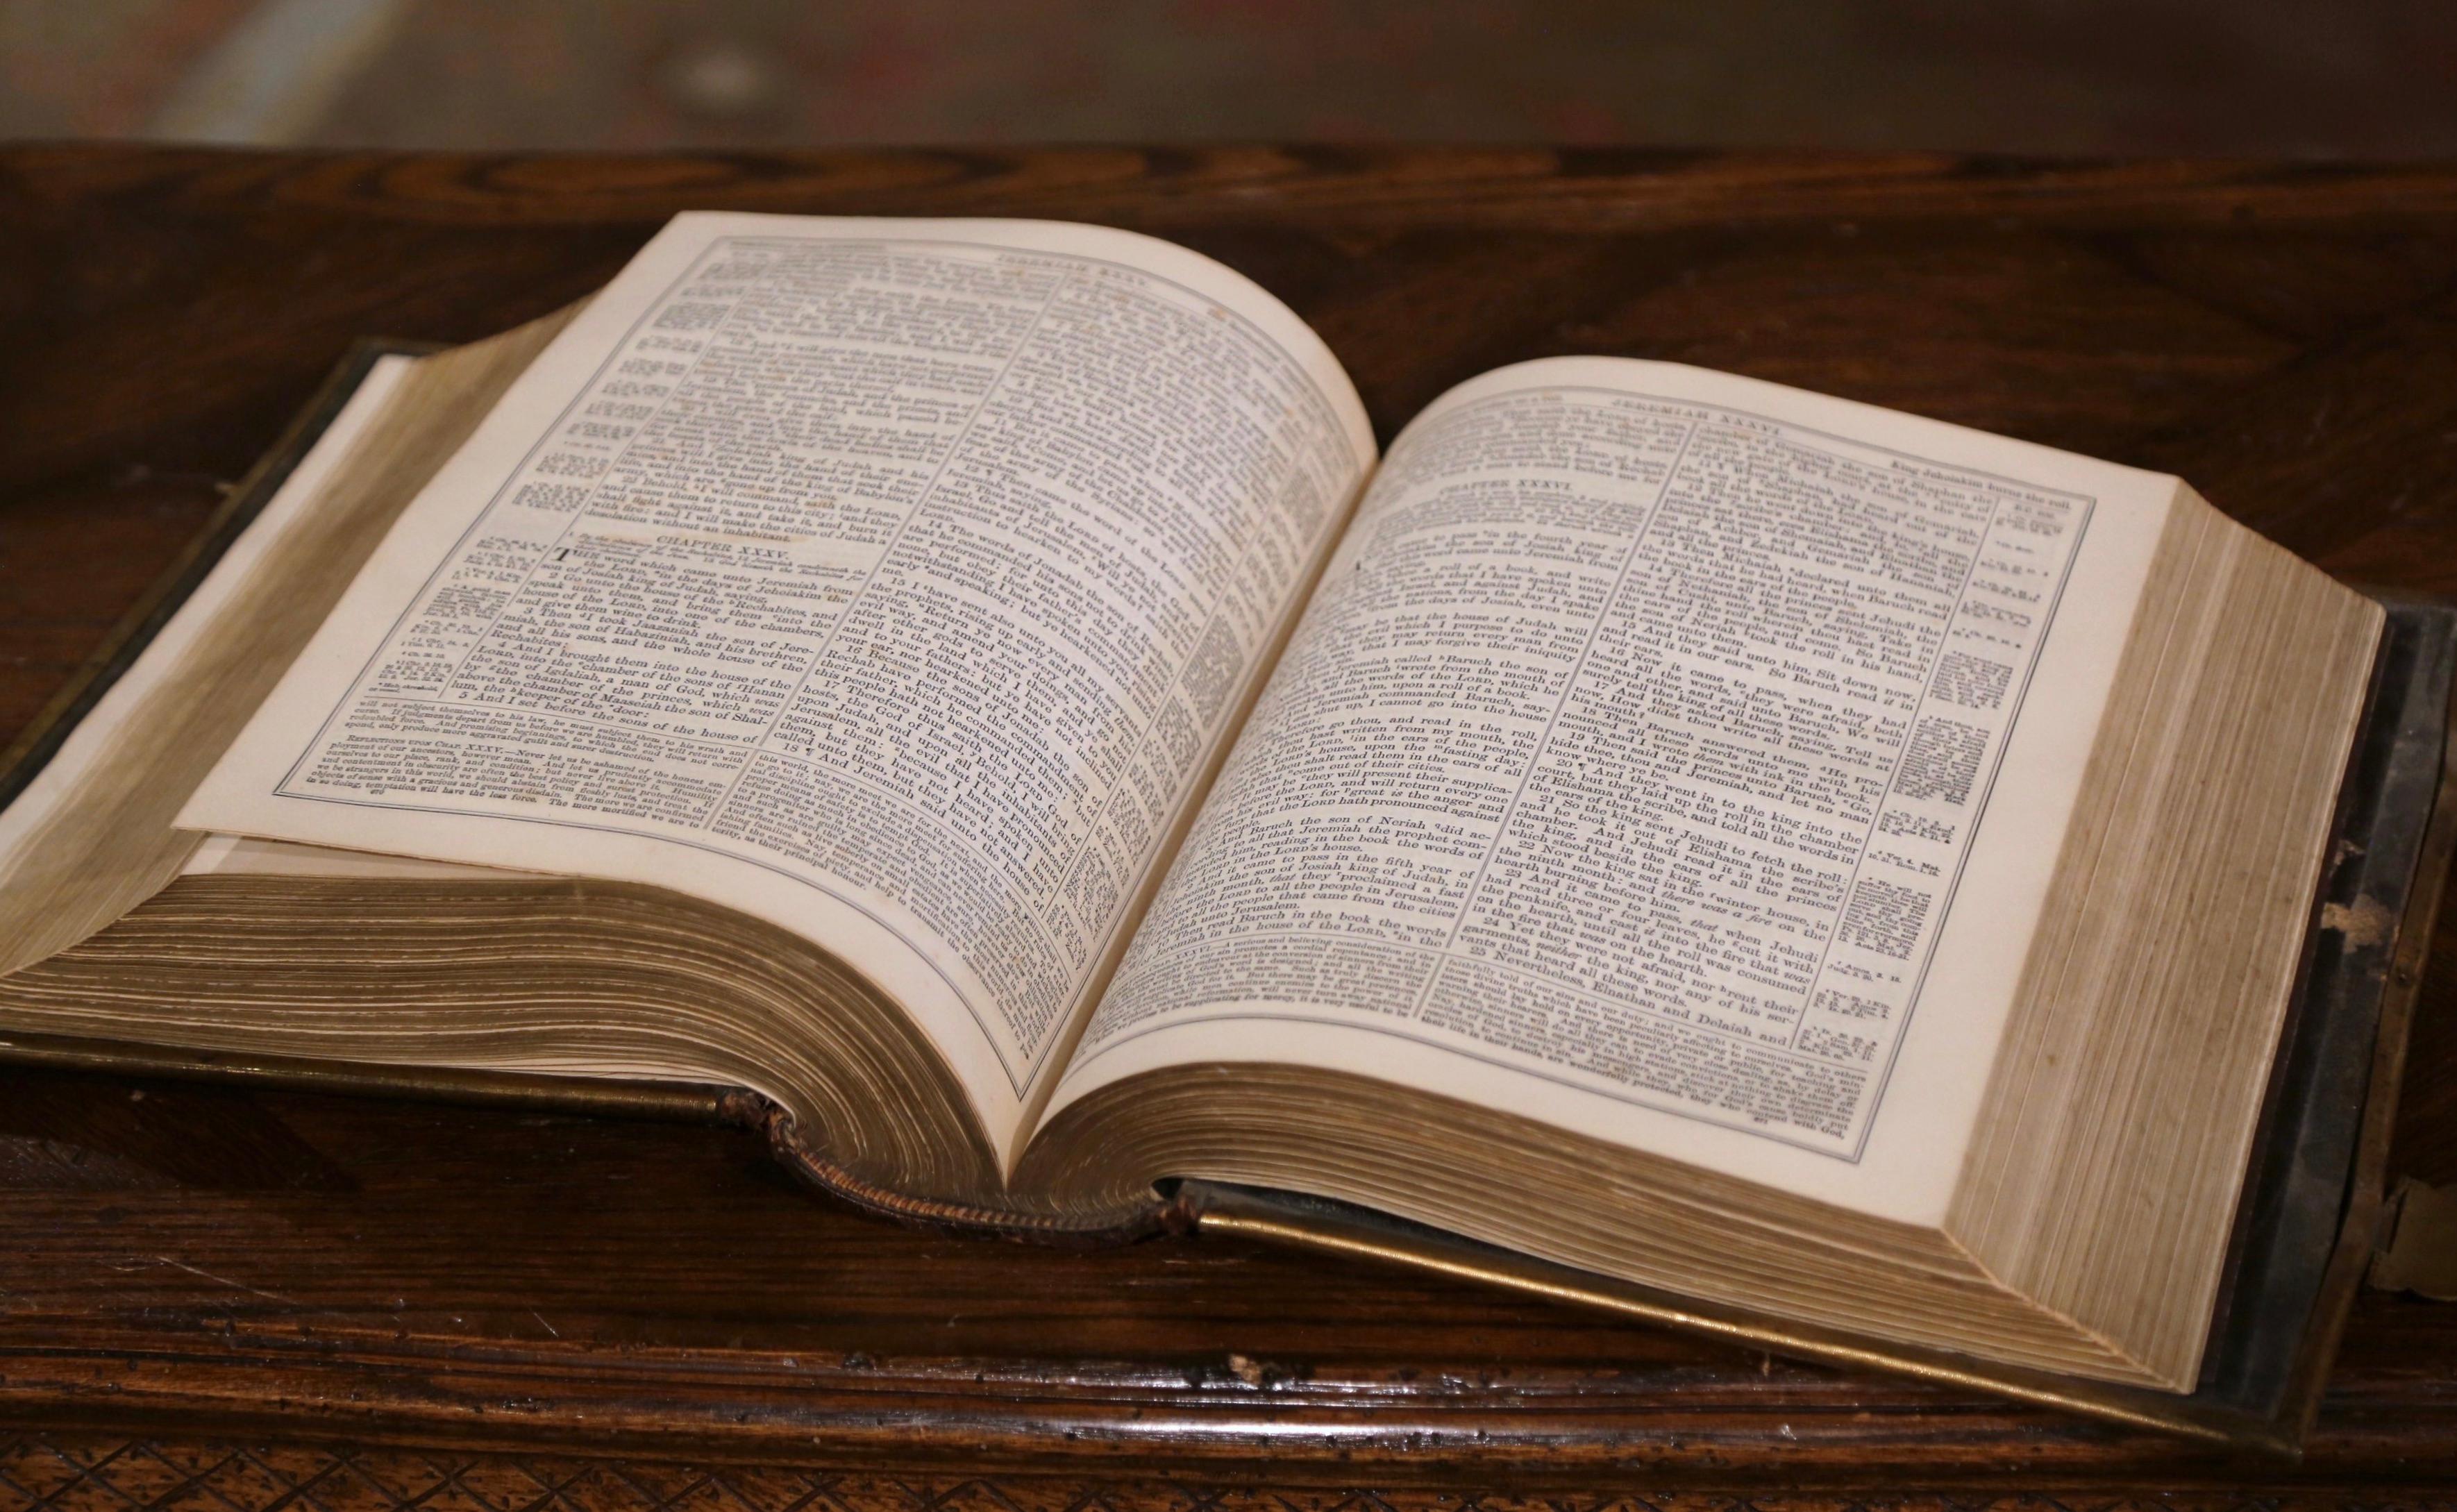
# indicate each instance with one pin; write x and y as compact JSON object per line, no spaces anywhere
{"x":974,"y":684}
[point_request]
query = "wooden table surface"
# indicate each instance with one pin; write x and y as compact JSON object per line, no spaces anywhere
{"x":243,"y":1301}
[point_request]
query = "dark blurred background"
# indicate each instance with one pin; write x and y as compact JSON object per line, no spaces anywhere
{"x":2307,"y":79}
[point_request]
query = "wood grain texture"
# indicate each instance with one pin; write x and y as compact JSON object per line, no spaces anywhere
{"x":212,"y":1277}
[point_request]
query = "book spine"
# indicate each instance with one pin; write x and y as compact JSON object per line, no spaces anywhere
{"x":1164,"y":1215}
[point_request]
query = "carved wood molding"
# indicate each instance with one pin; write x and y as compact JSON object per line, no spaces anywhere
{"x":150,"y":1475}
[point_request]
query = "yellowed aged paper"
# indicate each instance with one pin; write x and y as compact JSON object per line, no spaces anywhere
{"x":1671,"y":757}
{"x":890,"y":580}
{"x":51,"y":891}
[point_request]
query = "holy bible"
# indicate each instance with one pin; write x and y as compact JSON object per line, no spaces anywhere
{"x":973,"y":685}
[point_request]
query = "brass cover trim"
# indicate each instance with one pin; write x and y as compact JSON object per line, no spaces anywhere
{"x":1271,"y":1216}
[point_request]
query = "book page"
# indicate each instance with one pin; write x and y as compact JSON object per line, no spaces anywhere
{"x":894,"y":581}
{"x":60,"y":880}
{"x":1671,"y":757}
